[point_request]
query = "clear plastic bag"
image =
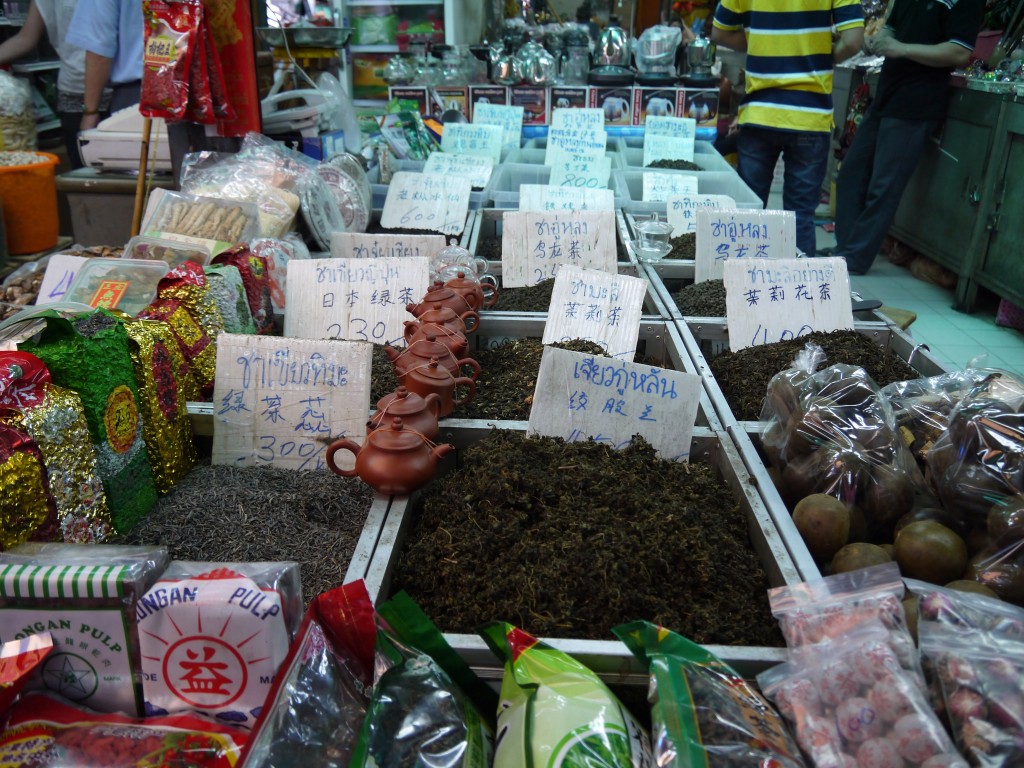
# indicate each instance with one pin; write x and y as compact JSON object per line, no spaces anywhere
{"x":847,"y":712}
{"x":17,"y":118}
{"x":967,"y":611}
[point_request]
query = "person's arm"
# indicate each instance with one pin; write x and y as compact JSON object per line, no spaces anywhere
{"x":97,"y":73}
{"x":735,"y":39}
{"x":850,"y":41}
{"x":728,"y":26}
{"x":27,"y":38}
{"x":940,"y":55}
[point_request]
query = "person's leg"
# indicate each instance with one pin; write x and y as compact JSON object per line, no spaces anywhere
{"x":854,"y":179}
{"x":806,"y":158}
{"x":69,"y":124}
{"x":899,"y":147}
{"x":759,"y":151}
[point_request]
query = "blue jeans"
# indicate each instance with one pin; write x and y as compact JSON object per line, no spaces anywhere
{"x":805,"y":154}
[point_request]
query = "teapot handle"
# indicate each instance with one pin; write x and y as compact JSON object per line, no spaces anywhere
{"x":343,"y":444}
{"x":433,"y":401}
{"x":463,"y":381}
{"x":490,"y":291}
{"x":468,"y":315}
{"x":411,"y":326}
{"x":472,"y":364}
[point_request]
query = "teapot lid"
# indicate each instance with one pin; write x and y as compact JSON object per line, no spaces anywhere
{"x":433,"y":370}
{"x":396,"y":437}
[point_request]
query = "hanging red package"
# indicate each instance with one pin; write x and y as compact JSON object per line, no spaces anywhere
{"x":169,"y":44}
{"x":200,"y":102}
{"x":221,"y":105}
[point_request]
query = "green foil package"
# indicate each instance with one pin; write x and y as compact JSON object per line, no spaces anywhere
{"x":90,"y":355}
{"x":703,"y":714}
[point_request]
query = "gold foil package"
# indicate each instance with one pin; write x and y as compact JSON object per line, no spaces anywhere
{"x":28,"y":509}
{"x":165,"y":424}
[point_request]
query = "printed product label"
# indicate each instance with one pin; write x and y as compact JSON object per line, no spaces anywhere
{"x":210,"y":644}
{"x":109,"y":294}
{"x":121,"y":419}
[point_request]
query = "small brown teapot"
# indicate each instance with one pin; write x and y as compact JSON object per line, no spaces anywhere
{"x":439,"y":294}
{"x":478,"y":295}
{"x":456,"y":342}
{"x":422,"y":351}
{"x":435,"y":378}
{"x":468,"y":322}
{"x":417,"y":413}
{"x":394,"y":461}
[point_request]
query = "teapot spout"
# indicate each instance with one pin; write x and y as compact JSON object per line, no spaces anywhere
{"x":392,"y":353}
{"x":442,"y":450}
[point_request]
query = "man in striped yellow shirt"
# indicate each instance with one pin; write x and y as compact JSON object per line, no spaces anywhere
{"x":787,"y":109}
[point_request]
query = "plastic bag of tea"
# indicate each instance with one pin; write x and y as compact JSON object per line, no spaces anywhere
{"x":555,"y":711}
{"x":702,"y":712}
{"x":257,"y":281}
{"x":851,"y":703}
{"x":314,"y":713}
{"x":229,"y":294}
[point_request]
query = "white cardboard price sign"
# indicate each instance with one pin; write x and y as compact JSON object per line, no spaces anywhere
{"x":534,"y":246}
{"x":582,"y":172}
{"x":477,"y":168}
{"x":581,"y":396}
{"x":60,"y":273}
{"x":422,"y":201}
{"x":601,"y":307}
{"x":473,"y":139}
{"x":769,"y":300}
{"x":669,"y":138}
{"x":545,"y":197}
{"x":682,"y":210}
{"x":724,"y":235}
{"x":509,"y":118}
{"x":279,"y":402}
{"x":358,"y":245}
{"x":660,"y":187}
{"x":588,"y":142}
{"x":354,"y":299}
{"x":578,"y":117}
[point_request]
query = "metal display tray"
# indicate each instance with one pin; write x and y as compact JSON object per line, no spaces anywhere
{"x":609,"y":658}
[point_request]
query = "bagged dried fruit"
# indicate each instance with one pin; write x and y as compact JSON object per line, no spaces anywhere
{"x":169,"y":35}
{"x":702,"y":712}
{"x":555,"y":712}
{"x":851,"y":703}
{"x":43,"y":731}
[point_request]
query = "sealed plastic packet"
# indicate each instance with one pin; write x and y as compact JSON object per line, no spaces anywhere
{"x":702,"y":712}
{"x":556,"y":712}
{"x":851,"y":703}
{"x":967,"y":611}
{"x":169,"y":35}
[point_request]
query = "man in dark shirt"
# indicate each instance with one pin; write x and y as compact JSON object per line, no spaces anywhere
{"x":922,"y":41}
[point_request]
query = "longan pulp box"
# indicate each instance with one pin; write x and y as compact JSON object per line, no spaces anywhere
{"x":609,"y":658}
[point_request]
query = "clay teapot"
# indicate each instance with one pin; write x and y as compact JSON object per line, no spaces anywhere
{"x":394,"y":461}
{"x":438,"y":293}
{"x":433,"y":377}
{"x":418,"y":413}
{"x":456,"y":342}
{"x":422,"y":351}
{"x":468,"y":322}
{"x":478,"y":295}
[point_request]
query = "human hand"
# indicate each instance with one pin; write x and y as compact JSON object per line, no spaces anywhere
{"x":688,"y":36}
{"x":884,"y":45}
{"x":89,"y":121}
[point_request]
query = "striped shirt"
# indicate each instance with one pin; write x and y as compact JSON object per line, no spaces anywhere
{"x":789,"y":58}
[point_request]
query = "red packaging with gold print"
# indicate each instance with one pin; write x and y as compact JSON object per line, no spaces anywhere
{"x":29,"y":509}
{"x":257,"y":282}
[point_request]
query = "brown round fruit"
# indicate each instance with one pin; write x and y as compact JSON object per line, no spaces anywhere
{"x":1006,"y":521}
{"x":858,"y":525}
{"x":969,"y":585}
{"x":889,"y":496}
{"x":824,"y":524}
{"x":889,"y":549}
{"x":939,"y":515}
{"x":859,"y":555}
{"x":930,"y":551}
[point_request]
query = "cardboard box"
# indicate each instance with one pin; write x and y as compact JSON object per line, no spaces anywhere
{"x":412,"y":98}
{"x":487,"y":94}
{"x":575,"y":96}
{"x":617,"y":104}
{"x":657,"y":102}
{"x":323,"y":146}
{"x":699,"y":103}
{"x":452,"y":98}
{"x":534,"y":101}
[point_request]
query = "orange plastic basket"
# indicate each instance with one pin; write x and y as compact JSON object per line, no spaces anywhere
{"x":29,"y":194}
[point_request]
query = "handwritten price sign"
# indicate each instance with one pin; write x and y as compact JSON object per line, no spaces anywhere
{"x":682,"y":210}
{"x":422,"y":201}
{"x":590,"y":173}
{"x":534,"y":246}
{"x":725,"y":235}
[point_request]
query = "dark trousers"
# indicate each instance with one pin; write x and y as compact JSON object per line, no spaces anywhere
{"x":805,"y":155}
{"x":871,"y":181}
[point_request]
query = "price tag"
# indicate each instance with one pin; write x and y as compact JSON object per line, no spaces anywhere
{"x":578,"y":117}
{"x":667,"y":148}
{"x":601,"y":307}
{"x":544,"y":197}
{"x":280,"y":402}
{"x":468,"y":139}
{"x":682,"y":210}
{"x":581,"y":396}
{"x":591,"y":173}
{"x":661,"y":186}
{"x":60,"y":273}
{"x":724,"y":235}
{"x":534,"y":246}
{"x":357,"y":245}
{"x":769,"y":300}
{"x":509,"y":118}
{"x":354,"y":299}
{"x":586,"y":142}
{"x":421,"y":201}
{"x":476,"y":168}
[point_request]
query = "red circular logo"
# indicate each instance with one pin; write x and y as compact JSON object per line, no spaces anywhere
{"x":205,"y":672}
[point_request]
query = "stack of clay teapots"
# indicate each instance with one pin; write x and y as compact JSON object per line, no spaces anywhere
{"x":477,"y":294}
{"x":416,"y":412}
{"x":394,"y":460}
{"x":440,"y":294}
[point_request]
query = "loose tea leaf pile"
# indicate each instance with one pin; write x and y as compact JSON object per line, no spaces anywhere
{"x":382,"y":375}
{"x":683,"y":247}
{"x":744,"y":375}
{"x":489,"y":249}
{"x":570,"y":539}
{"x":705,"y":299}
{"x":533,"y":298}
{"x":675,"y":165}
{"x":249,"y":514}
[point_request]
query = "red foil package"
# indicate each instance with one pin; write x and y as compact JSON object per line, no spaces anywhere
{"x":257,"y":281}
{"x":170,"y":34}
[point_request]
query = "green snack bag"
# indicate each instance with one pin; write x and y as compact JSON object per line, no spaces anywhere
{"x":556,"y":713}
{"x":703,"y":714}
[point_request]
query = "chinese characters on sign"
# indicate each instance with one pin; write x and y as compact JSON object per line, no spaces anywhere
{"x":662,"y":186}
{"x":356,"y":245}
{"x":355,"y":299}
{"x":682,"y":210}
{"x":545,"y":197}
{"x":723,"y":235}
{"x":534,"y":246}
{"x":580,"y":396}
{"x":468,"y":139}
{"x":281,"y":401}
{"x":574,"y":143}
{"x":669,"y":138}
{"x":476,"y":168}
{"x":579,"y":173}
{"x":509,"y":118}
{"x":601,"y":307}
{"x":779,"y":299}
{"x":419,"y":201}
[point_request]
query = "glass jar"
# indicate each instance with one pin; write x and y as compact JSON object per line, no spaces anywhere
{"x":398,"y":71}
